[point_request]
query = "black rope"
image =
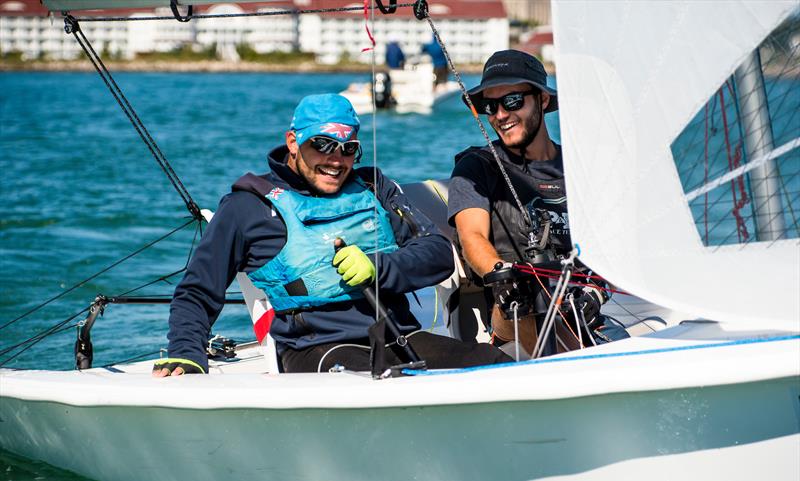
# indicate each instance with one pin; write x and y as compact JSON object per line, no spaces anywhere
{"x":44,"y":333}
{"x":421,"y":12}
{"x":134,"y":358}
{"x":173,"y":5}
{"x":387,"y":10}
{"x":138,"y":251}
{"x":245,"y":14}
{"x":72,"y":26}
{"x":165,"y":278}
{"x":35,"y":339}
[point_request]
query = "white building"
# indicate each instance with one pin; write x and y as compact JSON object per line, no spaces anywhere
{"x":471,"y":29}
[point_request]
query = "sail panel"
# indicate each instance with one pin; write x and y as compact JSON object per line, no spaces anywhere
{"x":626,"y":94}
{"x":739,"y":157}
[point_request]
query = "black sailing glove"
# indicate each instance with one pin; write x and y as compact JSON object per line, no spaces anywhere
{"x":587,"y":301}
{"x":172,"y":363}
{"x":509,"y":287}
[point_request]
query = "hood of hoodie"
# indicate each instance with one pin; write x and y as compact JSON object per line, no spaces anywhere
{"x":280,"y":175}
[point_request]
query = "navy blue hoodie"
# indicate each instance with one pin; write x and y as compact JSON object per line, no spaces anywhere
{"x":246,"y":233}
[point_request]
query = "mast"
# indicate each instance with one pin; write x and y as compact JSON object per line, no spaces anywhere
{"x":757,"y":133}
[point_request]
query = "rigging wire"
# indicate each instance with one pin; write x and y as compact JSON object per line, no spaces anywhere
{"x":104,"y":270}
{"x":131,"y":359}
{"x":374,"y":152}
{"x":72,"y":26}
{"x":55,"y":329}
{"x":32,"y":341}
{"x":235,"y":15}
{"x":421,"y":12}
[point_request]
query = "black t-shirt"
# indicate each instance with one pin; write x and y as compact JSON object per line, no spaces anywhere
{"x":476,"y":182}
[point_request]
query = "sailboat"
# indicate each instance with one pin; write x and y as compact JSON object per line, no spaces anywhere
{"x":716,"y":396}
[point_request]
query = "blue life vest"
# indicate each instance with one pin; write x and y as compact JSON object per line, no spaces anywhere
{"x":302,"y":275}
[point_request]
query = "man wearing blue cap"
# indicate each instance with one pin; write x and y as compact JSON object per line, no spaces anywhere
{"x":281,"y":228}
{"x":491,"y":228}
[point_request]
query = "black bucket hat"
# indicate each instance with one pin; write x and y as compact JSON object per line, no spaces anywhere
{"x":509,"y":67}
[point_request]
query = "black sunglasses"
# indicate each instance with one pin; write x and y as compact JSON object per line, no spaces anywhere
{"x":327,"y":145}
{"x":511,"y":102}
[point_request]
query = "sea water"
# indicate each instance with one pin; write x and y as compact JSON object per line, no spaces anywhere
{"x":80,"y":191}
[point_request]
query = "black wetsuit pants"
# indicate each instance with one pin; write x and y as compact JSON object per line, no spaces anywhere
{"x":439,"y":352}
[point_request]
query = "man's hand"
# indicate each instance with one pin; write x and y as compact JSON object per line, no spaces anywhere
{"x":508,"y":287}
{"x":176,"y":367}
{"x":354,"y":266}
{"x":588,"y":301}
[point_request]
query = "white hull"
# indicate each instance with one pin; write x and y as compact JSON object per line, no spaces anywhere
{"x":677,"y":403}
{"x":412,"y":91}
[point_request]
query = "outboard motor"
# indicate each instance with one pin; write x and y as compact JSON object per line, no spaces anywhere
{"x":383,"y":90}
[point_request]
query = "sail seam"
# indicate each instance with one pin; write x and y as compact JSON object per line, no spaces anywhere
{"x":775,"y":153}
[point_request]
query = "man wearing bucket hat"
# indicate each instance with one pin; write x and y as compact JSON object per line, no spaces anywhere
{"x":281,"y":228}
{"x":492,"y":231}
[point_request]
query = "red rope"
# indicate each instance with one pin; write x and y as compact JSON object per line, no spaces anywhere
{"x":366,"y":26}
{"x":553,"y":274}
{"x":705,"y":176}
{"x":733,"y":162}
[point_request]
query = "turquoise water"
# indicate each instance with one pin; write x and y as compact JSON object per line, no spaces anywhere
{"x":80,"y":190}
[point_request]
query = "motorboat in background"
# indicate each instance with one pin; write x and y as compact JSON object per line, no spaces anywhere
{"x":407,"y":90}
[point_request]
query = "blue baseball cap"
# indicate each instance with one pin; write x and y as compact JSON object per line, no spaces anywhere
{"x":329,"y":115}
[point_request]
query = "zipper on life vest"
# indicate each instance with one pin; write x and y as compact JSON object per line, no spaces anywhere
{"x":407,"y":216}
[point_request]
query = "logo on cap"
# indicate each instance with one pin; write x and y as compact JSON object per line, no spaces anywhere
{"x":497,"y":65}
{"x":339,"y":130}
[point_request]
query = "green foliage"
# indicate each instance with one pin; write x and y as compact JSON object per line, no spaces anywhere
{"x":183,"y":53}
{"x":13,"y":56}
{"x":248,"y":54}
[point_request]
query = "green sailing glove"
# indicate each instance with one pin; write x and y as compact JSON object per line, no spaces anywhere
{"x":354,"y":266}
{"x":172,"y":363}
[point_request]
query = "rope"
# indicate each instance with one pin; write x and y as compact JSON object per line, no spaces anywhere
{"x":233,"y":15}
{"x":554,"y":274}
{"x":705,"y":175}
{"x":136,"y":252}
{"x":367,"y":21}
{"x":468,"y":100}
{"x":35,"y":339}
{"x":131,"y":359}
{"x":71,"y":26}
{"x":733,"y":163}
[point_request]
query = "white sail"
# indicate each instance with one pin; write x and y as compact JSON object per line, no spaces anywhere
{"x":631,"y":76}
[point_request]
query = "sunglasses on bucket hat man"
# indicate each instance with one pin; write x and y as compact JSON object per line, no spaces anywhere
{"x":511,"y":102}
{"x":327,"y":146}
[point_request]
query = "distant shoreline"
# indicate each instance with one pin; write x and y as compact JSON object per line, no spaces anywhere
{"x":204,"y":66}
